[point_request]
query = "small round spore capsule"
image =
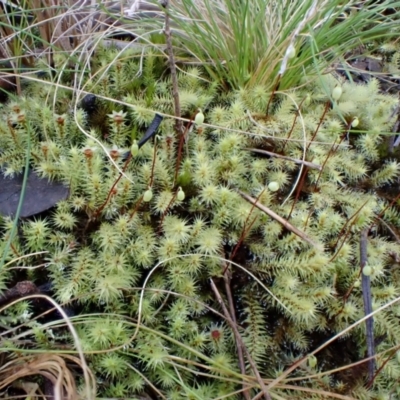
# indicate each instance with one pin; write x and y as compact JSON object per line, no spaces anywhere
{"x":273,"y":186}
{"x":355,"y":122}
{"x":199,"y":118}
{"x":312,"y":361}
{"x":134,"y":149}
{"x":367,"y":270}
{"x":336,"y":93}
{"x":180,"y":195}
{"x":148,"y":195}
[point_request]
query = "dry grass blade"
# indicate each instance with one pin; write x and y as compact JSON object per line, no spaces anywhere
{"x":241,"y":346}
{"x":174,"y":78}
{"x":61,"y":382}
{"x":278,"y":218}
{"x":50,"y":366}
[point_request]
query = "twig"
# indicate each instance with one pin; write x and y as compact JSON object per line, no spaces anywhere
{"x":339,"y":236}
{"x":171,"y":61}
{"x":239,"y":341}
{"x":321,"y":120}
{"x":232,"y":315}
{"x":388,"y":227}
{"x":295,"y":160}
{"x":153,"y":164}
{"x":278,"y":218}
{"x":296,"y":115}
{"x":181,"y":143}
{"x":245,"y":231}
{"x":367,"y":300}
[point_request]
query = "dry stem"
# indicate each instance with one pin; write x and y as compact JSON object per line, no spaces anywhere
{"x":239,"y":341}
{"x":278,"y":218}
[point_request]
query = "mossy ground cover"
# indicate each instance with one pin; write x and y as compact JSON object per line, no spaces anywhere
{"x":176,"y":276}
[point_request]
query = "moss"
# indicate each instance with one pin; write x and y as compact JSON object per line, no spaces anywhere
{"x":104,"y":245}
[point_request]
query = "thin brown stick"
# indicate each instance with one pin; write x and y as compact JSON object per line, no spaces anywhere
{"x":331,"y":150}
{"x":111,"y":191}
{"x":299,"y":188}
{"x":321,"y":120}
{"x":180,"y":148}
{"x":245,"y":230}
{"x":153,"y":164}
{"x":232,"y":316}
{"x":239,"y":342}
{"x":339,"y":236}
{"x":278,"y":218}
{"x":293,"y":124}
{"x":171,"y":61}
{"x":166,"y":210}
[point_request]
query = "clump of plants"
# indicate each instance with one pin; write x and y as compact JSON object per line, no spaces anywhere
{"x":180,"y":280}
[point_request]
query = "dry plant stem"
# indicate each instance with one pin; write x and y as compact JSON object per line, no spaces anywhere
{"x":239,"y":342}
{"x":295,"y":160}
{"x":293,"y":125}
{"x":347,"y":232}
{"x":346,"y":296}
{"x":89,"y":383}
{"x":165,"y":212}
{"x":134,"y":211}
{"x":245,"y":230}
{"x":389,"y":228}
{"x":278,"y":218}
{"x":153,"y":163}
{"x":331,"y":150}
{"x":367,"y":300}
{"x":299,"y":189}
{"x":171,"y":61}
{"x":101,"y":208}
{"x":321,"y":120}
{"x":389,"y":357}
{"x":380,"y":215}
{"x":182,"y":138}
{"x":232,"y":318}
{"x":288,"y":371}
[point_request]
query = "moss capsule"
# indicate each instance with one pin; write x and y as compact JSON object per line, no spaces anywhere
{"x":199,"y":118}
{"x":355,"y":122}
{"x":180,"y":195}
{"x":312,"y":361}
{"x":148,"y":195}
{"x":336,"y":93}
{"x":134,"y":149}
{"x":367,"y":270}
{"x":273,"y":186}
